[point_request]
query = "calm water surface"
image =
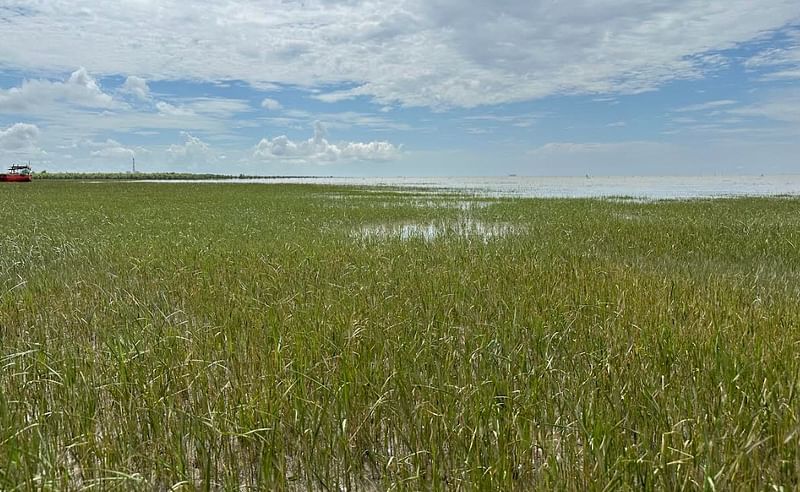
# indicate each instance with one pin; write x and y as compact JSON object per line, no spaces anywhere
{"x":655,"y":187}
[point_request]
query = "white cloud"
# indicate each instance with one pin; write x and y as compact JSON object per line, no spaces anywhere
{"x":782,"y":106}
{"x":778,"y":63}
{"x":137,"y":87}
{"x":783,"y":75}
{"x":435,"y":53}
{"x":110,"y":149}
{"x":271,"y":104}
{"x":20,"y":138}
{"x":171,"y":110}
{"x":519,"y":120}
{"x":319,"y":149}
{"x":299,"y":119}
{"x":336,"y":96}
{"x":642,"y":157}
{"x":218,"y":106}
{"x":772,"y":57}
{"x":563,"y":148}
{"x":608,"y":158}
{"x":77,"y":108}
{"x":210,"y":107}
{"x":706,"y":106}
{"x":80,"y":89}
{"x":193,"y":151}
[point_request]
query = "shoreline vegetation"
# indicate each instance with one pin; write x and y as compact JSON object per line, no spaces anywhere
{"x":166,"y":176}
{"x":309,"y":337}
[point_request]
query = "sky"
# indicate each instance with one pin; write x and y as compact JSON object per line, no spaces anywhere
{"x":402,"y":87}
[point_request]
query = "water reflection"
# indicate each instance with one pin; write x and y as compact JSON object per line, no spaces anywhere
{"x":466,"y":228}
{"x":654,"y":187}
{"x":361,"y":200}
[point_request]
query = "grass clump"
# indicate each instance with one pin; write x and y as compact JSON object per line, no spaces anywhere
{"x":227,"y":336}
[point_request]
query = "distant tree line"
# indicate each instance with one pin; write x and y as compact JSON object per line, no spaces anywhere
{"x":148,"y":176}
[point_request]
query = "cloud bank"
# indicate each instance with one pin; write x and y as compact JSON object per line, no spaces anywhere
{"x":434,"y":53}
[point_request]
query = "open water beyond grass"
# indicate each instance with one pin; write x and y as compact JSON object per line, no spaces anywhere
{"x":631,"y":187}
{"x":304,"y":337}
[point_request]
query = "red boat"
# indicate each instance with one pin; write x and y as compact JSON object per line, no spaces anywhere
{"x":17,"y":174}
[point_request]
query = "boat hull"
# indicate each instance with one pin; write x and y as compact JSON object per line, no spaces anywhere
{"x":15,"y":178}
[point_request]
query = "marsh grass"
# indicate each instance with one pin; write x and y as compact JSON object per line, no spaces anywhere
{"x":200,"y":336}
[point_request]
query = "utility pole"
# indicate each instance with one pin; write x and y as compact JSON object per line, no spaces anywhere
{"x":133,"y":164}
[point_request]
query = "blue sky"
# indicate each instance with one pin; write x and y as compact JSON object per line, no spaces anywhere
{"x":403,"y":87}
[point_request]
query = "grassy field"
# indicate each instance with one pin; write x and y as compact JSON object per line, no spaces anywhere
{"x":228,"y":336}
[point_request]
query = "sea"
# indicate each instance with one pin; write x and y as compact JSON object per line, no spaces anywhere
{"x":632,"y":187}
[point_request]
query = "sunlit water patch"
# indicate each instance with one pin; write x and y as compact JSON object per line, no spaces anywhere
{"x":462,"y":205}
{"x":653,"y":187}
{"x":410,"y":201}
{"x":469,"y":229}
{"x":465,"y":205}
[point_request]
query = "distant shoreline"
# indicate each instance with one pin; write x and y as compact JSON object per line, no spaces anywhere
{"x":653,"y":187}
{"x":154,"y":176}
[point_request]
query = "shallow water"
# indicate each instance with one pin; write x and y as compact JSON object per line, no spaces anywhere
{"x":466,"y":228}
{"x":441,"y":203}
{"x":650,"y":187}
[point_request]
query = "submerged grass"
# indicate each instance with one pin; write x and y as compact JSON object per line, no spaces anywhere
{"x":200,"y":336}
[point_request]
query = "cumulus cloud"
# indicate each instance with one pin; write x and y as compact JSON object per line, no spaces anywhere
{"x":110,"y":149}
{"x":414,"y":52}
{"x":319,"y":149}
{"x":192,"y":151}
{"x":19,"y":137}
{"x":271,"y":104}
{"x":172,"y":110}
{"x":79,"y":89}
{"x":137,"y":87}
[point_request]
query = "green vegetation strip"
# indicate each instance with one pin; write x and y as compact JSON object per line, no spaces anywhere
{"x":44,"y":175}
{"x":227,"y":336}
